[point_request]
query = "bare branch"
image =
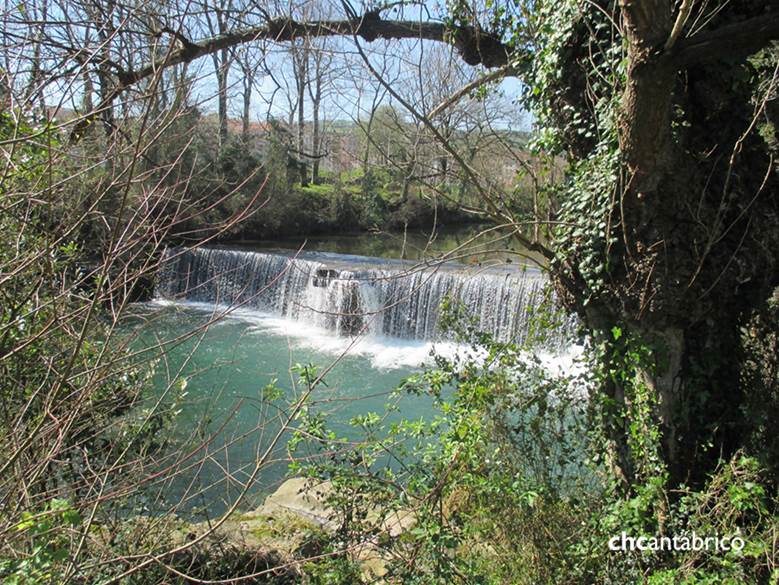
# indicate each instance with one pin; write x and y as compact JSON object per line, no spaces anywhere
{"x":475,"y":47}
{"x":506,"y":71}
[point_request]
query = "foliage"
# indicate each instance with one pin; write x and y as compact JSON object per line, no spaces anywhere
{"x":47,"y":531}
{"x":509,"y":482}
{"x":75,"y":419}
{"x":259,"y":171}
{"x":760,"y":374}
{"x":332,"y":570}
{"x":504,"y":453}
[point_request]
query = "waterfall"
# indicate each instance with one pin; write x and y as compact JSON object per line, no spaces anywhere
{"x":350,"y":295}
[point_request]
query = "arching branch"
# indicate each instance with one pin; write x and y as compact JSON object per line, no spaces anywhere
{"x":506,"y":71}
{"x":475,"y":47}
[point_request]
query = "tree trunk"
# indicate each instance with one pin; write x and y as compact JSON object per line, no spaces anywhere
{"x":300,"y":61}
{"x":86,"y":100}
{"x":104,"y":74}
{"x":665,"y":290}
{"x":221,"y":77}
{"x":221,"y":59}
{"x":34,"y":93}
{"x":248,"y":84}
{"x":316,"y":140}
{"x":694,"y":383}
{"x":367,"y":152}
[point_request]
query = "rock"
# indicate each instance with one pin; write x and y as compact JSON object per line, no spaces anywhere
{"x":290,"y":521}
{"x":299,"y":496}
{"x":294,"y":523}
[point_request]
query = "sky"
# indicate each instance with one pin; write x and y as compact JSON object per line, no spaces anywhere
{"x":405,"y":68}
{"x":342,"y":93}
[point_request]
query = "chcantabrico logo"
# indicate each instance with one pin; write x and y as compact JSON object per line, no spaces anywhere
{"x":679,"y":542}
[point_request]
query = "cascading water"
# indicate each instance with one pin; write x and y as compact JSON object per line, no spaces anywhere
{"x":351,"y":295}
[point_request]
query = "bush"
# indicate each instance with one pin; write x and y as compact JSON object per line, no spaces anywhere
{"x":509,"y":484}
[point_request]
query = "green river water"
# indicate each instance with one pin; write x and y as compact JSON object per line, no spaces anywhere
{"x":223,"y":426}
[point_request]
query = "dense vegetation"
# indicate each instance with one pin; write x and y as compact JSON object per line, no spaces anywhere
{"x":661,"y":235}
{"x":510,"y":483}
{"x":344,"y":197}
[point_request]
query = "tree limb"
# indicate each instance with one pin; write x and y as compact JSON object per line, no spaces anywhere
{"x":734,"y":40}
{"x":475,"y":47}
{"x":681,"y":20}
{"x":469,"y":87}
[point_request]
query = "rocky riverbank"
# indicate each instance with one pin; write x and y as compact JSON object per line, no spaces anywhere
{"x":293,"y":525}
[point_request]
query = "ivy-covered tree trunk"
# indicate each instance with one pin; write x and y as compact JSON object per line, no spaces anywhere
{"x":683,"y":247}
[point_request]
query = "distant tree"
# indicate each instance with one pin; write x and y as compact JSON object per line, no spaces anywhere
{"x":217,"y":21}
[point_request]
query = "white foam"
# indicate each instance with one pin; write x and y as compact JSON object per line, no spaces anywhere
{"x":567,"y":362}
{"x":383,"y":352}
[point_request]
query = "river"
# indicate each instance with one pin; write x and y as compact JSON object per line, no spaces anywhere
{"x":234,"y":319}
